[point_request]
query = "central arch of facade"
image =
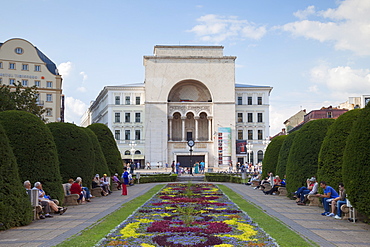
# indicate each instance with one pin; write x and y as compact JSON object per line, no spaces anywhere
{"x":189,"y":112}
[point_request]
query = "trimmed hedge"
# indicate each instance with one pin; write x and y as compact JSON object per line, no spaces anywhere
{"x":270,"y":159}
{"x":284,"y":154}
{"x":155,"y":178}
{"x":356,"y":163}
{"x":74,"y":151}
{"x":332,"y":149}
{"x":304,"y":152}
{"x":222,"y":177}
{"x":100,"y":164}
{"x":109,"y":147}
{"x":34,"y":148}
{"x":15,"y":206}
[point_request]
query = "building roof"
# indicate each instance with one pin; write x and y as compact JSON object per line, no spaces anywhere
{"x":49,"y":64}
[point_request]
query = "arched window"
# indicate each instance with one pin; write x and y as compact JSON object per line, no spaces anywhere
{"x":127,"y":152}
{"x":137,"y":152}
{"x":259,"y":156}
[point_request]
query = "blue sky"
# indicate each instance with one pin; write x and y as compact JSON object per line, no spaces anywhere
{"x":313,"y":53}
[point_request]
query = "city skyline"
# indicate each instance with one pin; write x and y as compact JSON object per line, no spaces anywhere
{"x":312,"y":53}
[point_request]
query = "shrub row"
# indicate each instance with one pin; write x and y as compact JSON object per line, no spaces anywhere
{"x":155,"y":178}
{"x":222,"y":177}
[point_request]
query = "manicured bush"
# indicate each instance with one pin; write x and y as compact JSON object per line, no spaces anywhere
{"x":284,"y":154}
{"x":356,"y":163}
{"x":100,"y":165}
{"x":109,"y":147}
{"x":15,"y":206}
{"x":156,"y":178}
{"x":304,"y":152}
{"x":332,"y":149}
{"x":34,"y":148}
{"x":74,"y":151}
{"x":271,"y":155}
{"x":222,"y":177}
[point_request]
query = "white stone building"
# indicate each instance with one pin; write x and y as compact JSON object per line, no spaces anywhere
{"x":21,"y":61}
{"x":189,"y":93}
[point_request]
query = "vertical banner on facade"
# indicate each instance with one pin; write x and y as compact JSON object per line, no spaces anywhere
{"x":224,"y":145}
{"x":240,"y":146}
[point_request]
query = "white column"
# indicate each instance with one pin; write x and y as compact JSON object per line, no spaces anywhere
{"x":183,"y":127}
{"x":209,"y":128}
{"x":170,"y":128}
{"x":196,"y":118}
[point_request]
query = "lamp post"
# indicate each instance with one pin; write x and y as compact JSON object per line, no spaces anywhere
{"x":132,"y":144}
{"x":249,"y":147}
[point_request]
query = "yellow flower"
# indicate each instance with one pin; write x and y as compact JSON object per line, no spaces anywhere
{"x":247,"y":230}
{"x":147,"y":245}
{"x":224,"y":245}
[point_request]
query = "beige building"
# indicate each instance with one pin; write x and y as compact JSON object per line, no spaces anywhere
{"x":20,"y":61}
{"x":189,"y":93}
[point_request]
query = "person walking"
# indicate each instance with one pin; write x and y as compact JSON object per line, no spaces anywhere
{"x":125,"y":181}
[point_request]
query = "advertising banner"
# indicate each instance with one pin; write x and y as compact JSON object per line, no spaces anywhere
{"x":224,"y":145}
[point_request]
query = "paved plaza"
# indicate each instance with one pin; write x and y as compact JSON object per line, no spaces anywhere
{"x":307,"y":221}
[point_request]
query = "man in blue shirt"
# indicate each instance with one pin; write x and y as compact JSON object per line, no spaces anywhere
{"x":327,"y":197}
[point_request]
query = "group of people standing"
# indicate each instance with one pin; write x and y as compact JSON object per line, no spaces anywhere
{"x":199,"y":168}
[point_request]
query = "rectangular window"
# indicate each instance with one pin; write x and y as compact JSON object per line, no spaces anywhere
{"x":117,"y":100}
{"x":25,"y":82}
{"x":138,"y":100}
{"x":1,"y":80}
{"x":259,"y":100}
{"x":137,"y":117}
{"x":240,"y":117}
{"x":240,"y":134}
{"x":137,"y":134}
{"x":11,"y":81}
{"x":127,"y":134}
{"x":330,"y":114}
{"x":127,"y":117}
{"x":250,"y":134}
{"x":49,"y":84}
{"x":24,"y":66}
{"x":37,"y":68}
{"x":127,"y":101}
{"x":49,"y":112}
{"x":250,"y":117}
{"x":49,"y":97}
{"x":259,"y":117}
{"x":260,"y":134}
{"x":250,"y":100}
{"x":1,"y":65}
{"x":117,"y":117}
{"x":240,"y":100}
{"x":11,"y":65}
{"x":37,"y":98}
{"x":117,"y":135}
{"x":37,"y":83}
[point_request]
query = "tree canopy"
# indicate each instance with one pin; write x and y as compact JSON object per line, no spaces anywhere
{"x":271,"y":155}
{"x":284,"y":154}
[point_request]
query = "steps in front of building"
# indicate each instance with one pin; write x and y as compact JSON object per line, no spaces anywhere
{"x":190,"y":178}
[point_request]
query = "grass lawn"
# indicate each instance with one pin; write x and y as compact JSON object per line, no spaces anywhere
{"x":92,"y":235}
{"x":274,"y":227}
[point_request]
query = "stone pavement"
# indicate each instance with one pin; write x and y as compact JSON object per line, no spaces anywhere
{"x":307,"y":221}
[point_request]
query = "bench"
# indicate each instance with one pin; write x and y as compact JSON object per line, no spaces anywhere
{"x":96,"y":191}
{"x":69,"y":199}
{"x":255,"y":183}
{"x":282,"y":191}
{"x":33,"y":194}
{"x":267,"y":187}
{"x":314,"y":201}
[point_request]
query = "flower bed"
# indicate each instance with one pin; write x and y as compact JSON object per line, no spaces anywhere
{"x":184,"y":215}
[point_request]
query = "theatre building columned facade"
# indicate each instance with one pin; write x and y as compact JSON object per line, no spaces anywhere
{"x":189,"y":93}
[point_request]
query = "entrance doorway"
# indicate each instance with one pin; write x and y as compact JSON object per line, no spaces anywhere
{"x":185,"y":159}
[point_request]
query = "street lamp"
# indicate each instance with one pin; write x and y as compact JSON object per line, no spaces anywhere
{"x":249,"y":147}
{"x":132,"y":144}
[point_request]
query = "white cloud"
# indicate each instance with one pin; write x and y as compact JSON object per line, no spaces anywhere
{"x":84,"y":76}
{"x":65,"y":68}
{"x":342,"y":80}
{"x":303,"y":14}
{"x":347,"y":26}
{"x":81,"y":89}
{"x":74,"y":109}
{"x":214,"y":28}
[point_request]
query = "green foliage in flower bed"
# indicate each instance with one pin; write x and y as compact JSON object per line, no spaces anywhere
{"x":206,"y":218}
{"x":222,"y":177}
{"x":155,"y":178}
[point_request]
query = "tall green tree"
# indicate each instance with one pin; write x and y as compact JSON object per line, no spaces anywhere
{"x":34,"y":148}
{"x":74,"y":151}
{"x":304,"y":152}
{"x":356,"y":163}
{"x":109,"y":147}
{"x":332,"y":148}
{"x":271,"y":155}
{"x":21,"y":98}
{"x":15,"y":206}
{"x":284,"y":154}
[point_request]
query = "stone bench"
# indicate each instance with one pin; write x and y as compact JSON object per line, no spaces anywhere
{"x":267,"y":187}
{"x":69,"y":199}
{"x":96,"y":191}
{"x":255,"y":183}
{"x":282,"y":191}
{"x":313,"y":201}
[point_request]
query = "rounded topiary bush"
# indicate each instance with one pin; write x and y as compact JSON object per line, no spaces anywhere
{"x":109,"y":147}
{"x":304,"y":152}
{"x":74,"y":151}
{"x":34,"y":148}
{"x":271,"y":155}
{"x":15,"y":206}
{"x":356,"y":163}
{"x":284,"y":154}
{"x":100,"y":164}
{"x":332,"y":149}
